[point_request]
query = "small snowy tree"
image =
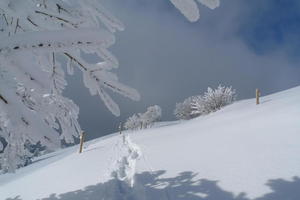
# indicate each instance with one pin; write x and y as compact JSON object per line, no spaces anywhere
{"x":212,"y":100}
{"x":133,"y":122}
{"x":183,"y":110}
{"x":153,"y":114}
{"x":144,"y":120}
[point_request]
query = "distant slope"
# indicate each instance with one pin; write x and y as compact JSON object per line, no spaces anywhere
{"x":239,"y":153}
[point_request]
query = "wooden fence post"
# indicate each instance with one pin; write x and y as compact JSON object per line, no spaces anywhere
{"x":120,"y":128}
{"x":257,"y":96}
{"x":81,"y":142}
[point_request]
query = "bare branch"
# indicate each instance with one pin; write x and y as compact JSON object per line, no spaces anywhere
{"x":56,"y":17}
{"x":18,"y":26}
{"x":5,"y":18}
{"x":33,"y":23}
{"x":3,"y":99}
{"x":59,"y":8}
{"x":76,"y":61}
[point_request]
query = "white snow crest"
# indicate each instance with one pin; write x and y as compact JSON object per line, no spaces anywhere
{"x":125,"y":166}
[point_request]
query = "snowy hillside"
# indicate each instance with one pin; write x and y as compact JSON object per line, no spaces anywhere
{"x":239,"y":153}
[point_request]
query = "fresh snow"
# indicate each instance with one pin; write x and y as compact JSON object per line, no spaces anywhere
{"x":244,"y":151}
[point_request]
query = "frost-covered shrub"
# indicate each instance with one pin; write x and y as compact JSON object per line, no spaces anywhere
{"x":183,"y":110}
{"x":211,"y":101}
{"x":198,"y":106}
{"x":144,"y":120}
{"x":133,"y":122}
{"x":153,"y":114}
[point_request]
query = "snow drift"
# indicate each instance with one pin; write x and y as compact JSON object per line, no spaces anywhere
{"x":242,"y":152}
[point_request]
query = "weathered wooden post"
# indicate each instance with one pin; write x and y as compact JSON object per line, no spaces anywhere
{"x":120,"y":128}
{"x":81,"y":141}
{"x":257,"y":96}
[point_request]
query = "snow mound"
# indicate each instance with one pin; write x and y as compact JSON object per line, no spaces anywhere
{"x":242,"y":152}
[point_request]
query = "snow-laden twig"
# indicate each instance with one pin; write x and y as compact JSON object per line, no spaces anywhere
{"x":190,"y":10}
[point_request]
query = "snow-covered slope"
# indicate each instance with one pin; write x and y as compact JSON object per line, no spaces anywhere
{"x":241,"y":152}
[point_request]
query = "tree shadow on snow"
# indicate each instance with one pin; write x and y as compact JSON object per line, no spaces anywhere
{"x":150,"y":186}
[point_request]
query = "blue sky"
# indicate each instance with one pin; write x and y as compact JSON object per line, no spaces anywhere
{"x":270,"y":24}
{"x":247,"y":44}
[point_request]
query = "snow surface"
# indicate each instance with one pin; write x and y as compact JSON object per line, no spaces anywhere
{"x":242,"y":152}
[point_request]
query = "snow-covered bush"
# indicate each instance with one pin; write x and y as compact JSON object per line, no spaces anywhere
{"x":144,"y":120}
{"x":183,"y":110}
{"x":218,"y":98}
{"x":133,"y":122}
{"x":153,"y":114}
{"x":211,"y":101}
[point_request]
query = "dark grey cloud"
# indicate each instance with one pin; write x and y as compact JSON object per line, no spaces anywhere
{"x":168,"y":59}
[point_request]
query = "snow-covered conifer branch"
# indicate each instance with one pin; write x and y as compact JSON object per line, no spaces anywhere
{"x":190,"y":10}
{"x":33,"y":35}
